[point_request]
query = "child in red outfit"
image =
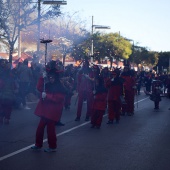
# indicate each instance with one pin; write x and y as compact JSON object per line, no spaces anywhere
{"x":99,"y":103}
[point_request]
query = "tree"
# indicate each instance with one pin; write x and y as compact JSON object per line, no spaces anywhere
{"x":163,"y":61}
{"x":16,"y":16}
{"x":113,"y":46}
{"x":67,"y":25}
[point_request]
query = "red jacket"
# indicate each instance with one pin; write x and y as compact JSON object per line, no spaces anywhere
{"x":115,"y":89}
{"x":100,"y":101}
{"x":129,"y":82}
{"x":83,"y":83}
{"x":51,"y":107}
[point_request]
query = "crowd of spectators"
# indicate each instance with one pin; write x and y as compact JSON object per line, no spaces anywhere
{"x":16,"y":84}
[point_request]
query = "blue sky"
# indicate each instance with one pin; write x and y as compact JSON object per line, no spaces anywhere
{"x":147,"y":22}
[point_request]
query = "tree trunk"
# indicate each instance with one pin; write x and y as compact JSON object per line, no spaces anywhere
{"x":11,"y":49}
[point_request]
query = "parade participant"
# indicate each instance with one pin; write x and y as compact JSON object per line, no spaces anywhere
{"x":85,"y":79}
{"x":105,"y":74}
{"x":49,"y":109}
{"x":157,"y":90}
{"x":115,"y":93}
{"x":53,"y":66}
{"x":99,"y":103}
{"x":129,"y":87}
{"x":8,"y":89}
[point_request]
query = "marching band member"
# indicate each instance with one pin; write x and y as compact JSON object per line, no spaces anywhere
{"x":85,"y":79}
{"x":115,"y":91}
{"x":99,"y":103}
{"x":49,"y":109}
{"x":129,"y":86}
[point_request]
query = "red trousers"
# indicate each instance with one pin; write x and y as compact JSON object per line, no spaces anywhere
{"x":129,"y":98}
{"x":114,"y":108}
{"x":97,"y":117}
{"x":51,"y":133}
{"x":89,"y":99}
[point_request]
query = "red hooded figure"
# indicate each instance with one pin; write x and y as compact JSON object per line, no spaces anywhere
{"x":85,"y":85}
{"x":115,"y":91}
{"x":129,"y":87}
{"x":99,"y":103}
{"x":49,"y":108}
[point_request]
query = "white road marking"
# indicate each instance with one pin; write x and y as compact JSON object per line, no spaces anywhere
{"x":45,"y":140}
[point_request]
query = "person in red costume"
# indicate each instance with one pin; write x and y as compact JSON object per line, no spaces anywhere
{"x":99,"y":103}
{"x":115,"y":93}
{"x":49,"y":109}
{"x":129,"y":87}
{"x":105,"y":74}
{"x":85,"y":85}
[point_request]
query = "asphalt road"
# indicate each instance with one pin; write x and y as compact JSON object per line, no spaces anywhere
{"x":139,"y":142}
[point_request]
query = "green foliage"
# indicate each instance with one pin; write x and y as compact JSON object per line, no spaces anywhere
{"x":16,"y":16}
{"x":115,"y":46}
{"x":163,"y":60}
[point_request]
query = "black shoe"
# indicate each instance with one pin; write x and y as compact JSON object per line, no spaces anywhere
{"x":92,"y":126}
{"x":129,"y":114}
{"x":117,"y":121}
{"x":77,"y":119}
{"x":87,"y":118}
{"x":110,"y":122}
{"x":60,"y":124}
{"x":122,"y":114}
{"x":98,"y":127}
{"x":156,"y":108}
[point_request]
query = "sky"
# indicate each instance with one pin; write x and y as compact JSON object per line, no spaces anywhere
{"x":146,"y":22}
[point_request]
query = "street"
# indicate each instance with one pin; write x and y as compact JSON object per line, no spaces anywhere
{"x":139,"y":142}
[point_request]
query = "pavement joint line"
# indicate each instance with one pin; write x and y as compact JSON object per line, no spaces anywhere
{"x":45,"y":140}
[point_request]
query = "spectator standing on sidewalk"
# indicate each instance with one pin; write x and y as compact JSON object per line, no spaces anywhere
{"x":8,"y":89}
{"x":25,"y":77}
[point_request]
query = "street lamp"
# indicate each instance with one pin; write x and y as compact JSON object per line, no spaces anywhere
{"x":132,"y":50}
{"x":45,"y":42}
{"x":96,"y":27}
{"x":55,"y":2}
{"x":48,"y":2}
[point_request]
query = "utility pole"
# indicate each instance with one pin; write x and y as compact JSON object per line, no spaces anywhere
{"x":47,"y":2}
{"x":92,"y":47}
{"x":92,"y":41}
{"x":38,"y":25}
